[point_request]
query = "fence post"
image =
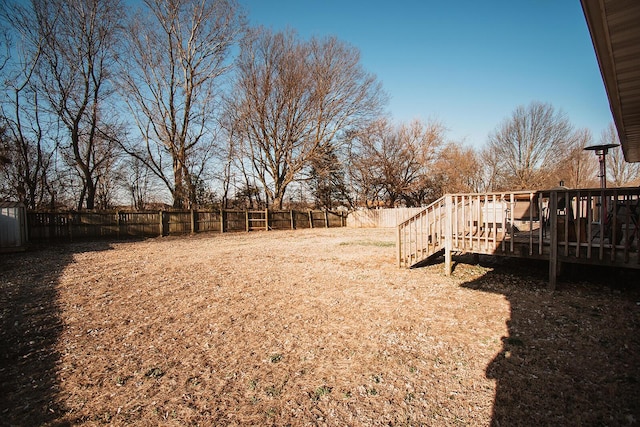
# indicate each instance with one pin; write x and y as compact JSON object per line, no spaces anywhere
{"x":118,"y":225}
{"x":326,"y":218}
{"x":51,"y":225}
{"x":266,"y":219}
{"x":161,"y":215}
{"x":310,"y":219}
{"x":69,"y":228}
{"x":293,"y":225}
{"x":246,"y":219}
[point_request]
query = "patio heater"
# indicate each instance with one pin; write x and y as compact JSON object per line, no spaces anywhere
{"x":601,"y":151}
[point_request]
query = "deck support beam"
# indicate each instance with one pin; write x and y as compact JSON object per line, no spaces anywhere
{"x":553,"y":249}
{"x":448,"y":239}
{"x":399,"y":246}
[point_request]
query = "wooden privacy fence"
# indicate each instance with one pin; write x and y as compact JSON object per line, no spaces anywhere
{"x":67,"y":226}
{"x":380,"y":218}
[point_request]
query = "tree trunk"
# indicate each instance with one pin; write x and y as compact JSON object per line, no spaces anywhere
{"x":178,"y":187}
{"x":83,"y":193}
{"x":91,"y":195}
{"x":277,"y":202}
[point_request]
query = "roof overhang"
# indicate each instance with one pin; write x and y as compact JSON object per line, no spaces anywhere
{"x":615,"y":32}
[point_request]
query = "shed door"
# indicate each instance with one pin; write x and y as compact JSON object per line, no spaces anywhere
{"x":10,"y":235}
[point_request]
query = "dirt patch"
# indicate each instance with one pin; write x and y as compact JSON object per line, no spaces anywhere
{"x":308,"y":327}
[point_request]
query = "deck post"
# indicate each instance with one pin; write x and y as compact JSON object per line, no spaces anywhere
{"x":553,"y":248}
{"x":448,"y":233}
{"x":399,"y":246}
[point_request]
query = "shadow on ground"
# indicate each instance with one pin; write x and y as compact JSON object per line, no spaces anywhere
{"x":572,"y":357}
{"x":30,"y":327}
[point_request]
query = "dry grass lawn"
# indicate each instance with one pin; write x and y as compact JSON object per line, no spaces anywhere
{"x":308,"y":327}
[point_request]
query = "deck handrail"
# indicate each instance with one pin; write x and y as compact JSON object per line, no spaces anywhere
{"x":597,"y":226}
{"x":413,"y":245}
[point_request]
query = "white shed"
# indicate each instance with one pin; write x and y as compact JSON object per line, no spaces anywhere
{"x":13,"y":226}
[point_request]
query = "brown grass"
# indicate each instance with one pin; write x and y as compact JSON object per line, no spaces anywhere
{"x":309,"y":327}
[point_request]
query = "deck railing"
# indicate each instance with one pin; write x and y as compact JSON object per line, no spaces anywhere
{"x":595,"y":226}
{"x":422,"y":236}
{"x":479,"y":223}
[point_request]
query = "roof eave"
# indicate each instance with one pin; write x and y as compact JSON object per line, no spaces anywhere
{"x":595,"y":12}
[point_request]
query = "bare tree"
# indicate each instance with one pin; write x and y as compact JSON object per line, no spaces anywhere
{"x":171,"y":78}
{"x":364,"y":175}
{"x":326,"y":179}
{"x":580,"y":168}
{"x":457,"y":170}
{"x":5,"y":43}
{"x":422,"y":142}
{"x":25,"y":158}
{"x":529,"y":147}
{"x":619,"y":172}
{"x":26,"y":147}
{"x":492,"y":178}
{"x":77,"y":59}
{"x":393,"y":163}
{"x":136,"y":181}
{"x":293,"y":97}
{"x":240,"y":188}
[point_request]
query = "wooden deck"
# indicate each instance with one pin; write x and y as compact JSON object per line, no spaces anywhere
{"x":590,"y":226}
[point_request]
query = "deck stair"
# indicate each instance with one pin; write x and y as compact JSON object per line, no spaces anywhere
{"x":590,"y":226}
{"x":421,"y":236}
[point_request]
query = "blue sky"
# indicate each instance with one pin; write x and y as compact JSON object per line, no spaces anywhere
{"x":467,"y":64}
